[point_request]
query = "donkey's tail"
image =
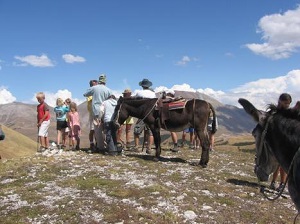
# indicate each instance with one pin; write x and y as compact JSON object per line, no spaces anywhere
{"x":214,"y":122}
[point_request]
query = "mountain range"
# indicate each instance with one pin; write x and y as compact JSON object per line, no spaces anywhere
{"x":21,"y":117}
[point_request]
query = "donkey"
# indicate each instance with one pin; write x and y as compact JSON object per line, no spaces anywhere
{"x":277,"y":140}
{"x":195,"y":113}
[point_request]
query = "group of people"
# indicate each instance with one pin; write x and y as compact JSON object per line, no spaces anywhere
{"x":101,"y":104}
{"x":103,"y":136}
{"x":67,"y":123}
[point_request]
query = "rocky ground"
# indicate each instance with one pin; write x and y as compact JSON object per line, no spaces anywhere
{"x":77,"y":187}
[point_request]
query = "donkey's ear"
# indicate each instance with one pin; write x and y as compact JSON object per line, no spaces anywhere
{"x":250,"y":109}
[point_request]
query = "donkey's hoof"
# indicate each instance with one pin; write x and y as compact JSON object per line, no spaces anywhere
{"x":203,"y":165}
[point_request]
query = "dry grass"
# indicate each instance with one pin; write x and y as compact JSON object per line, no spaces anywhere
{"x":75,"y":187}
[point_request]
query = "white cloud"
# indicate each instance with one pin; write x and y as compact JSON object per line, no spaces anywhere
{"x":50,"y":98}
{"x":281,"y":35}
{"x":36,"y":61}
{"x":6,"y":96}
{"x":260,"y":92}
{"x":69,"y":58}
{"x":184,"y":60}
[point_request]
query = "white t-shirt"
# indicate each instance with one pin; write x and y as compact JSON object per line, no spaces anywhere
{"x":145,"y":93}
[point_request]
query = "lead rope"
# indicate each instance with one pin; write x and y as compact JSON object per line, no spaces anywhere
{"x":285,"y":182}
{"x":282,"y":189}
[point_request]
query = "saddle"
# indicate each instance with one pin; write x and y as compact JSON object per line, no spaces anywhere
{"x":166,"y":105}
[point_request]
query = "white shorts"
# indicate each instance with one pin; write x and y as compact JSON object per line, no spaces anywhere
{"x":91,"y":121}
{"x":43,"y":129}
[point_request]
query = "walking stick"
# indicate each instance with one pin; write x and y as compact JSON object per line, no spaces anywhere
{"x":38,"y":140}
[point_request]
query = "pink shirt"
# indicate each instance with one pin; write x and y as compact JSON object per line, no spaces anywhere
{"x":74,"y":119}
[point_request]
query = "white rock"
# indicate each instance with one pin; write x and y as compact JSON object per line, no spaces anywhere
{"x":190,"y":214}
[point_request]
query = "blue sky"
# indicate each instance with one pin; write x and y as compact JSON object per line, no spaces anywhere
{"x":226,"y":49}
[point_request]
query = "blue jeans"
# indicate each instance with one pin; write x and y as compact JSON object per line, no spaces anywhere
{"x":110,"y":136}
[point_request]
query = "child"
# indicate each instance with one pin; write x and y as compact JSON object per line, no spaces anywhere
{"x":106,"y":111}
{"x":67,"y":133}
{"x":43,"y":121}
{"x":61,"y":122}
{"x":74,"y":125}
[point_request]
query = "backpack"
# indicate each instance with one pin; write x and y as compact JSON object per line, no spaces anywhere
{"x":2,"y":135}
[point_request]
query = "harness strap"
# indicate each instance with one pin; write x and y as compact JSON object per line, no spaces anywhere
{"x":147,"y":113}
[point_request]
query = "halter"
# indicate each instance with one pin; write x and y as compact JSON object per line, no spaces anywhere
{"x":262,"y":141}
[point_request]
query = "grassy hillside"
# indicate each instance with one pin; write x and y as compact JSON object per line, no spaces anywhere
{"x":76,"y":187}
{"x":16,"y":145}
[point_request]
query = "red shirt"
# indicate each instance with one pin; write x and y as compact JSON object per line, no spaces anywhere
{"x":41,"y":110}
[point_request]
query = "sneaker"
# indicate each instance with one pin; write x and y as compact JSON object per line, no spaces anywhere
{"x":148,"y":151}
{"x":128,"y":145}
{"x":134,"y":149}
{"x":41,"y":149}
{"x":192,"y":147}
{"x":92,"y":146}
{"x":175,"y":149}
{"x":272,"y":185}
{"x":280,"y":188}
{"x":112,"y":153}
{"x":183,"y":144}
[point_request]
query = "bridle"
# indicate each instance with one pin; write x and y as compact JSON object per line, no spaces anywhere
{"x":263,"y":143}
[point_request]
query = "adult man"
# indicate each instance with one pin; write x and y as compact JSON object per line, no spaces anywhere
{"x":99,"y":93}
{"x":146,"y":92}
{"x":91,"y":116}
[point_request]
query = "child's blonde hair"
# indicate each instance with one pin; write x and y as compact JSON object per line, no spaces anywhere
{"x":73,"y":105}
{"x":40,"y":95}
{"x":59,"y":102}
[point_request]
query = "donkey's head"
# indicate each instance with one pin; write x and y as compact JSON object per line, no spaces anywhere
{"x":265,"y":162}
{"x":119,"y":115}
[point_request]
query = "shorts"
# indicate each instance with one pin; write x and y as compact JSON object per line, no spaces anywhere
{"x":91,"y":122}
{"x":209,"y":125}
{"x":60,"y":125}
{"x":139,"y":127}
{"x":129,"y":120}
{"x":43,"y":129}
{"x":188,"y":130}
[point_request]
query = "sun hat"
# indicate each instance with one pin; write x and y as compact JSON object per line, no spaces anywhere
{"x":145,"y":83}
{"x":126,"y":91}
{"x":102,"y":78}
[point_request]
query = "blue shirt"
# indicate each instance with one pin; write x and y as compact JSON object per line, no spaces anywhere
{"x":61,"y":112}
{"x":100,"y":93}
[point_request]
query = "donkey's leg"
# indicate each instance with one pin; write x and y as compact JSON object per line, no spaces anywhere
{"x":157,"y":140}
{"x":204,"y":140}
{"x":294,"y":192}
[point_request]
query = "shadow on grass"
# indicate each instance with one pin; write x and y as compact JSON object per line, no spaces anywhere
{"x":243,"y":183}
{"x":161,"y":159}
{"x":243,"y":143}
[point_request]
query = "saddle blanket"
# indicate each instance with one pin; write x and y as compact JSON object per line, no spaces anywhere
{"x":180,"y":104}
